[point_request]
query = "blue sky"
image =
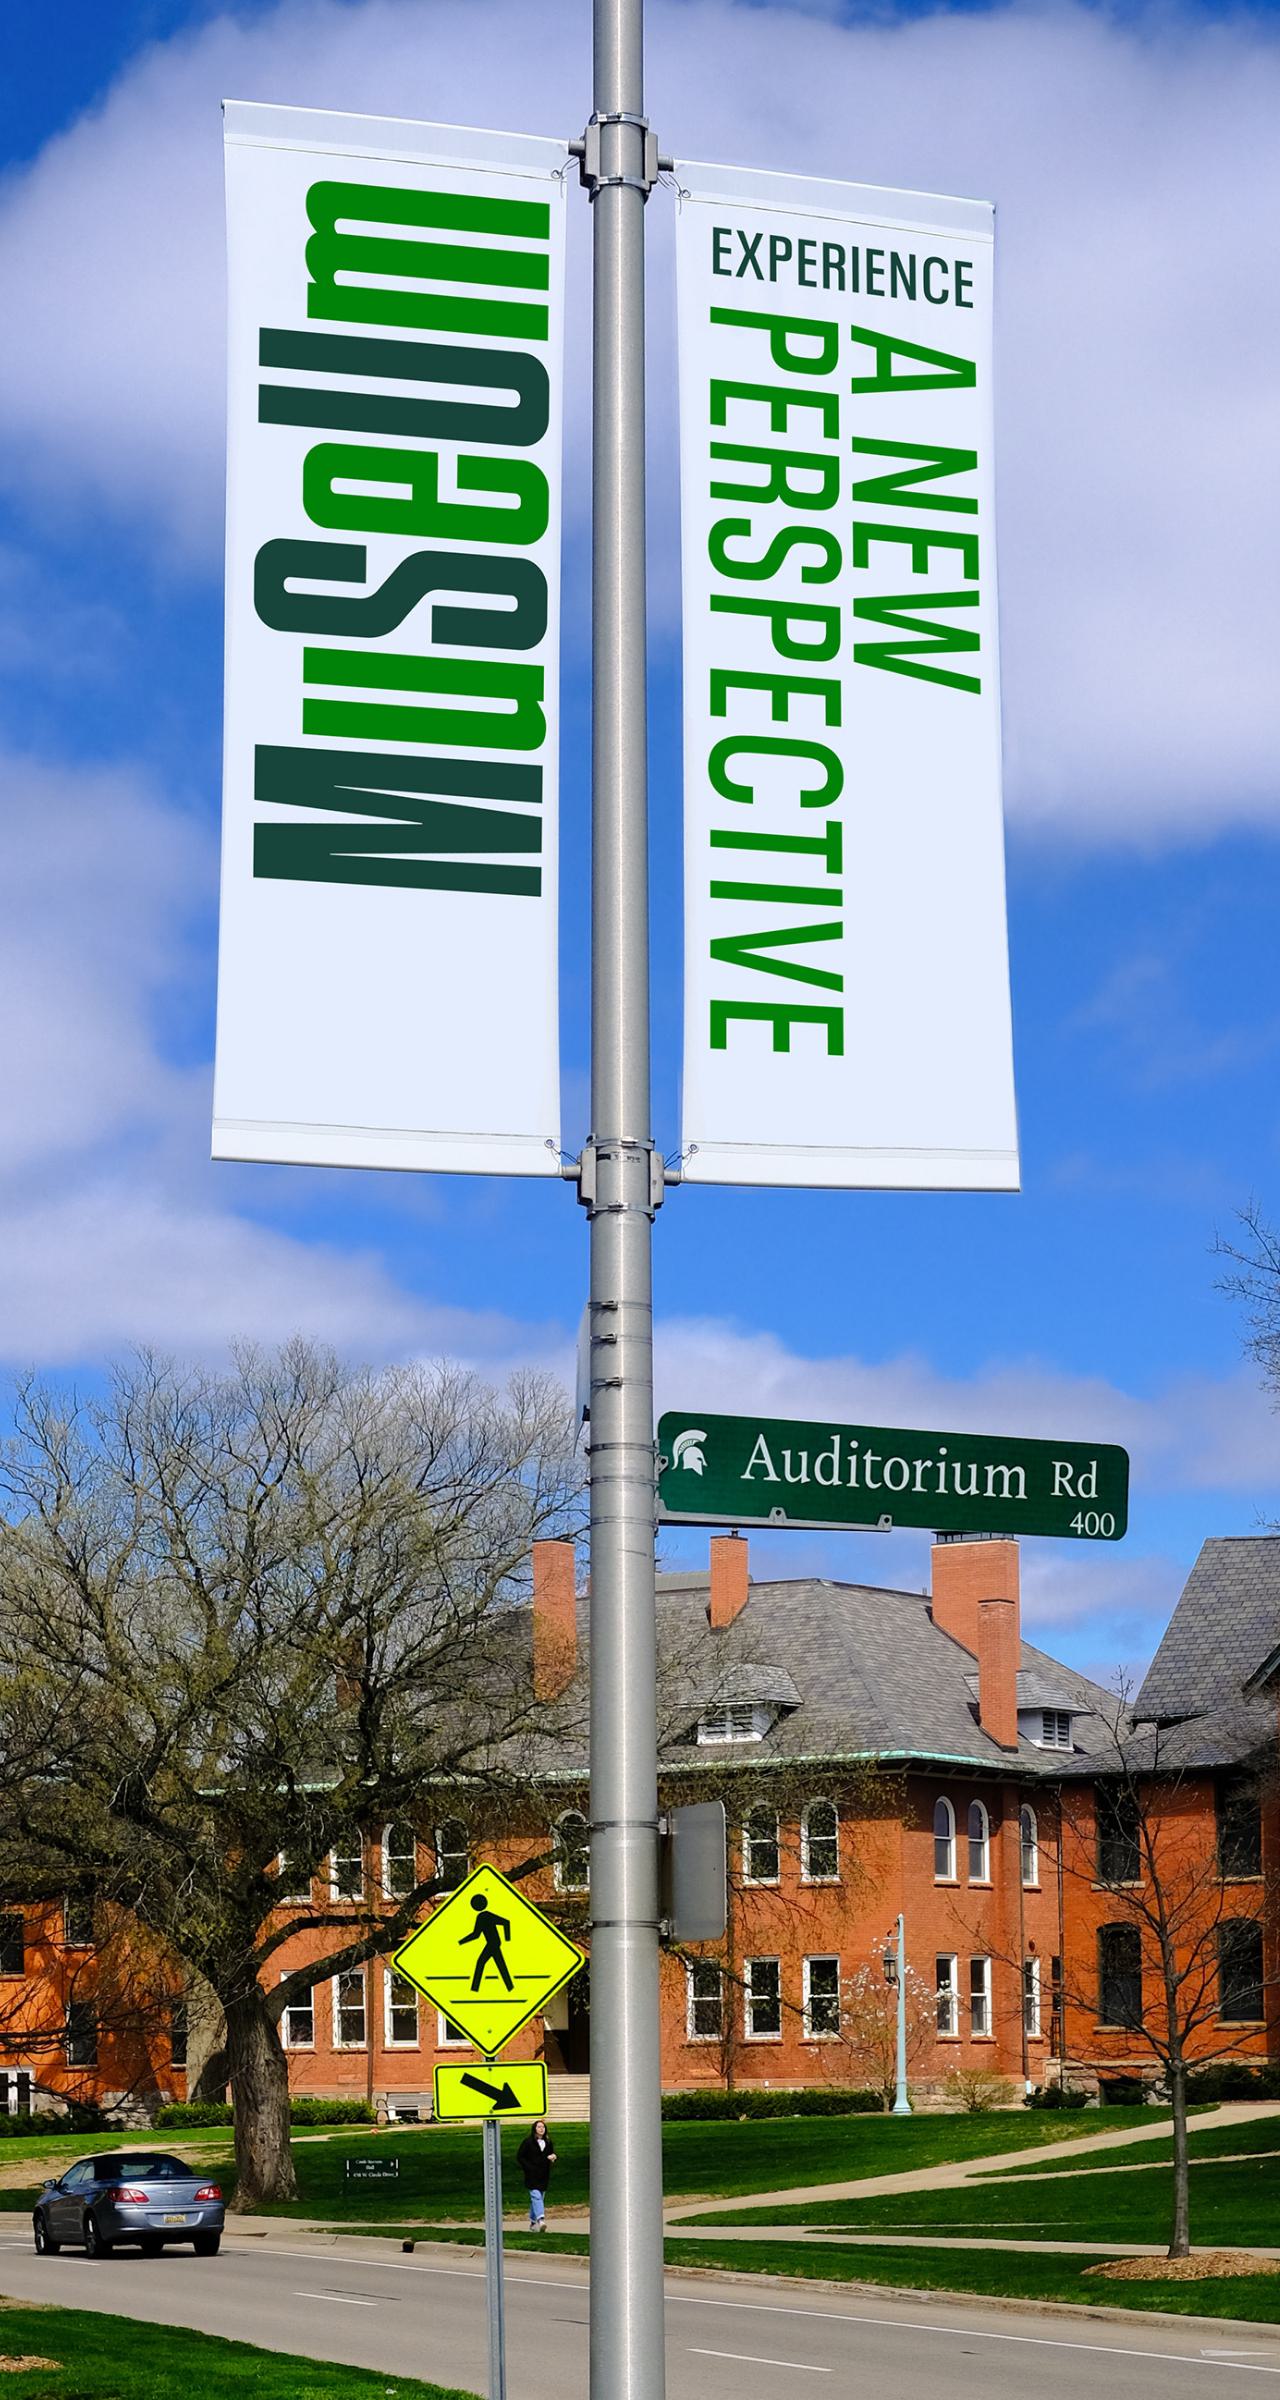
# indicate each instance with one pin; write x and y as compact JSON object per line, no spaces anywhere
{"x":1132,"y":158}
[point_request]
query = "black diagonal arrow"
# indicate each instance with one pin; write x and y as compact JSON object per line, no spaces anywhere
{"x":501,"y":2096}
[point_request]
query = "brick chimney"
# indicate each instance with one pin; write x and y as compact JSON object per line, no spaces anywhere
{"x":555,"y":1618}
{"x":967,"y":1573}
{"x":730,"y":1557}
{"x":998,"y":1646}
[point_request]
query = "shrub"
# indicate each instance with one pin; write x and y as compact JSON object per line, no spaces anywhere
{"x":726,"y":2106}
{"x":1057,"y":2095}
{"x":976,"y":2089}
{"x":301,"y":2112}
{"x":1234,"y":2079}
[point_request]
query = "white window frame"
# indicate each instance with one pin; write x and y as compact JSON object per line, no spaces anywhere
{"x":1055,"y":1729}
{"x":349,"y":1975}
{"x":1030,"y":1882}
{"x":694,"y":1968}
{"x":558,"y":1869}
{"x":982,"y":1843}
{"x":812,"y":2033}
{"x":946,"y":1995}
{"x":1032,"y":2013}
{"x":950,"y":1837}
{"x":807,"y":1874}
{"x":392,"y":2040}
{"x":750,"y":1997}
{"x":980,"y":2020}
{"x":443,"y":1851}
{"x":287,"y":2041}
{"x":336,"y":1890}
{"x":447,"y":2040}
{"x":763,"y":1882}
{"x":387,"y":1855}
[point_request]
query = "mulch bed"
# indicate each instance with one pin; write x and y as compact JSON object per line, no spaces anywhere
{"x":1204,"y":2266}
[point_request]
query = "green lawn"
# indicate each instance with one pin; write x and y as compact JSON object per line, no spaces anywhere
{"x":1230,"y":2205}
{"x":121,"y":2358}
{"x":1000,"y":2275}
{"x":440,"y":2173}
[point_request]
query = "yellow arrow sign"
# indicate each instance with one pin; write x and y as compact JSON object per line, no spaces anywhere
{"x":480,"y":2091}
{"x":488,"y":1958}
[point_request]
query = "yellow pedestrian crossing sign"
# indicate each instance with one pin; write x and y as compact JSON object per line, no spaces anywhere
{"x":488,"y":1959}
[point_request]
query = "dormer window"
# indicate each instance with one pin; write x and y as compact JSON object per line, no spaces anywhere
{"x":1048,"y":1728}
{"x":735,"y":1721}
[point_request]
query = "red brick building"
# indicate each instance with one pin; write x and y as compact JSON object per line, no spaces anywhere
{"x":878,"y":1751}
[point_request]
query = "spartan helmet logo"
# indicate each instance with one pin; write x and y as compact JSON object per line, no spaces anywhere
{"x":687,"y":1450}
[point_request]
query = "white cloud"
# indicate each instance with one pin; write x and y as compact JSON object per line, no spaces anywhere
{"x":1198,"y":1433}
{"x":1134,"y":165}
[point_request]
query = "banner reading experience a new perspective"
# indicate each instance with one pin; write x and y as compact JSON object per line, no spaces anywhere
{"x":846,"y":978}
{"x":387,"y":969}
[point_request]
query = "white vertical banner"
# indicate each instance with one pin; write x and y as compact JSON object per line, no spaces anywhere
{"x":847,"y":1012}
{"x":387,"y":958}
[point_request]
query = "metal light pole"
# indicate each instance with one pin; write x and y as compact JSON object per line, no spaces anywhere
{"x":895,"y":1967}
{"x":620,"y":1181}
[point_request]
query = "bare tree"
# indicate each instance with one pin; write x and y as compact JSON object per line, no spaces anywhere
{"x":869,"y":2025}
{"x":1253,"y":1279}
{"x":247,"y":1617}
{"x":1180,"y":1957}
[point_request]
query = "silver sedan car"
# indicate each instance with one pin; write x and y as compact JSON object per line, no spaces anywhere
{"x":143,"y":2196}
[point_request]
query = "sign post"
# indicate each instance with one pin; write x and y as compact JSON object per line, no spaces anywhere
{"x":489,"y":1960}
{"x":620,"y":1183}
{"x":492,"y":2140}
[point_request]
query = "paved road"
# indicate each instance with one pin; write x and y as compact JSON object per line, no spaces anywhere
{"x":360,"y":2303}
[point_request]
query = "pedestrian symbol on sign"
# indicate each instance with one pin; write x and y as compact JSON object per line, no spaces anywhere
{"x":495,"y":1930}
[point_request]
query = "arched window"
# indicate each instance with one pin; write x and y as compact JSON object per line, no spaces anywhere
{"x":453,"y":1854}
{"x":944,"y":1842}
{"x":399,"y":1861}
{"x":1240,"y":1970}
{"x":1120,"y":1975}
{"x":1029,"y":1832}
{"x":979,"y":1843}
{"x":820,"y":1843}
{"x":760,"y":1846}
{"x":573,"y":1852}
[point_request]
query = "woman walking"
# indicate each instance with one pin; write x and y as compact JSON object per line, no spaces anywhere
{"x":535,"y":2159}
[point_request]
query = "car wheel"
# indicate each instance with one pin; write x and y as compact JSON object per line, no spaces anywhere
{"x":94,"y":2245}
{"x":151,"y":2245}
{"x":207,"y":2245}
{"x":46,"y":2247}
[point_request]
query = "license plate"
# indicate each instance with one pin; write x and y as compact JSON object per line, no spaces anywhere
{"x":179,"y":2220}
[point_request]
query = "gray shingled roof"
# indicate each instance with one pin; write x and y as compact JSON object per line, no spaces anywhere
{"x":1224,"y":1626}
{"x":871,"y":1671}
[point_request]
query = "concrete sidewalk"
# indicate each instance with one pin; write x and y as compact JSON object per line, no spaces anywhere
{"x":963,"y":2171}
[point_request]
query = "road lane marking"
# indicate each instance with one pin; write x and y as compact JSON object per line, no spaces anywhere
{"x":556,"y":2283}
{"x":1034,"y":2341}
{"x":745,"y":2358}
{"x":344,"y":2299}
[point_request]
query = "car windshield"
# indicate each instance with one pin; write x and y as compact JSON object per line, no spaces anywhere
{"x":143,"y":2166}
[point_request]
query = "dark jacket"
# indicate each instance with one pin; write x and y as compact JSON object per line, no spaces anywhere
{"x":535,"y":2160}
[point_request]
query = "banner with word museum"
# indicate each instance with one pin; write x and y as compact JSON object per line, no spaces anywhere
{"x":387,"y":963}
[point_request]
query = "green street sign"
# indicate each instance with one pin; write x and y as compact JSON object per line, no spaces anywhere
{"x":783,"y":1471}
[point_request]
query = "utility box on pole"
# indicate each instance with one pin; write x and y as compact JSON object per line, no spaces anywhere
{"x":695,"y":1879}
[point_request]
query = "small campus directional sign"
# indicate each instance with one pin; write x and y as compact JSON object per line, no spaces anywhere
{"x":488,"y":1959}
{"x":779,"y":1471}
{"x":480,"y":2091}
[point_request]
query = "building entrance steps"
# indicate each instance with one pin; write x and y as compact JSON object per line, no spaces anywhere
{"x":959,"y":2171}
